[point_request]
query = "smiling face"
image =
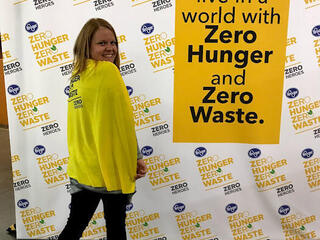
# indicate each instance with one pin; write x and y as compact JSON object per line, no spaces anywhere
{"x":103,"y":45}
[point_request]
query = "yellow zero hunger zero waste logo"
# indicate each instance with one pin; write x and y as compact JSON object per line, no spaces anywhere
{"x":47,"y":49}
{"x":229,"y":64}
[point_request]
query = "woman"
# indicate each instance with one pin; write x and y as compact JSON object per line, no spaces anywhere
{"x":101,"y":134}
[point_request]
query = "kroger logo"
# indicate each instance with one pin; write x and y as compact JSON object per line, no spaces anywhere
{"x":307,"y":153}
{"x":13,"y":89}
{"x":67,"y":90}
{"x":200,"y":151}
{"x":130,"y":90}
{"x":23,"y":203}
{"x":292,"y":93}
{"x":231,"y":208}
{"x":147,"y":150}
{"x":284,"y":210}
{"x":316,"y":31}
{"x":129,"y":207}
{"x":147,"y":28}
{"x":31,"y":27}
{"x":179,"y":207}
{"x":39,"y":150}
{"x":254,"y":153}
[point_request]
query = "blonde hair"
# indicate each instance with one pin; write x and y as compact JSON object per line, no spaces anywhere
{"x":81,"y":49}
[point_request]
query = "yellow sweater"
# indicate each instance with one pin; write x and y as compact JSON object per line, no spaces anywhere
{"x":101,"y":133}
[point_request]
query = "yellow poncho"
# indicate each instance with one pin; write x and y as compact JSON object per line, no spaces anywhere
{"x":101,"y":133}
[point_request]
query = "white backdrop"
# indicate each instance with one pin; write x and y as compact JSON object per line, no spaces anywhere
{"x":192,"y":191}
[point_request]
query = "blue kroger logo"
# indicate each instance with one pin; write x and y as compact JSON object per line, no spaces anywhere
{"x":147,"y":28}
{"x":316,"y":31}
{"x":254,"y":153}
{"x":129,"y":207}
{"x":284,"y":210}
{"x":67,"y":90}
{"x":39,"y":150}
{"x":179,"y":207}
{"x":13,"y":89}
{"x":200,"y":151}
{"x":23,"y":203}
{"x":147,"y":150}
{"x":31,"y":27}
{"x":307,"y":153}
{"x":130,"y":90}
{"x":292,"y":93}
{"x":231,"y":208}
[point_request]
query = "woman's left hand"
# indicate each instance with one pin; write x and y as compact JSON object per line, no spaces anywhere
{"x":141,"y":169}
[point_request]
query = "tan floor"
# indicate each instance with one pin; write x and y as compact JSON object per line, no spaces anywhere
{"x":7,"y":212}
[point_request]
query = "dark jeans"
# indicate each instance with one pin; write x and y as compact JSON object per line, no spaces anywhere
{"x":83,"y":206}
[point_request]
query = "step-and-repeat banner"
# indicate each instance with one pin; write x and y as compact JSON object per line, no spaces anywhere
{"x":226,"y":104}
